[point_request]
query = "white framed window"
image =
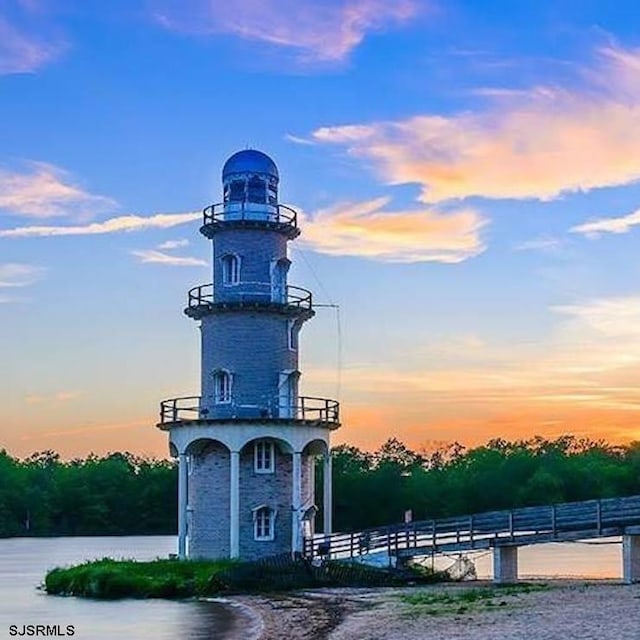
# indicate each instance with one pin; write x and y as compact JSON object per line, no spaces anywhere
{"x":264,"y":457}
{"x":230,"y":269}
{"x":263,"y":523}
{"x":222,"y":386}
{"x":292,"y":335}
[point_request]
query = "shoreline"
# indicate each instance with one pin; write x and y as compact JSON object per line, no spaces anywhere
{"x":596,"y":610}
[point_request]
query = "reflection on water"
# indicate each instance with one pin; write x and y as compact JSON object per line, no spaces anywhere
{"x":24,"y":562}
{"x":592,"y":559}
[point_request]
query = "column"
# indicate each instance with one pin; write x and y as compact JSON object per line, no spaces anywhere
{"x":505,"y":565}
{"x":631,"y":559}
{"x":234,"y":505}
{"x":182,"y":505}
{"x":296,"y":542}
{"x":327,"y":498}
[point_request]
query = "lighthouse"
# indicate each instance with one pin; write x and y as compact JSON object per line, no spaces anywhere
{"x":248,"y":445}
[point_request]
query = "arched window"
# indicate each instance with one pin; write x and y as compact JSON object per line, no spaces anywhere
{"x":264,"y":459}
{"x":222,"y":386}
{"x":230,"y":269}
{"x":263,"y":523}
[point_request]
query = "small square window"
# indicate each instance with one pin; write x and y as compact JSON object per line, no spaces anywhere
{"x":264,"y":458}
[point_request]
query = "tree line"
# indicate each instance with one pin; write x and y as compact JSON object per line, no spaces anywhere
{"x":125,"y":494}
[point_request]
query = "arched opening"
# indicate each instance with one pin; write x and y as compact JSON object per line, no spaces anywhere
{"x":317,"y":455}
{"x":205,"y":491}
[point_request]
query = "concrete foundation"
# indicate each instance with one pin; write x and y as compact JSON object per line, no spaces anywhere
{"x":631,"y":559}
{"x":505,"y":565}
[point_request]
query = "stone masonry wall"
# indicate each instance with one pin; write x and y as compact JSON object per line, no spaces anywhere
{"x":256,"y":248}
{"x":274,"y":490}
{"x":254,"y":348}
{"x":208,"y":499}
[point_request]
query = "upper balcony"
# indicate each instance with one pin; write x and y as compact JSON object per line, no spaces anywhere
{"x":305,"y":410}
{"x":259,"y":296}
{"x":225,"y":215}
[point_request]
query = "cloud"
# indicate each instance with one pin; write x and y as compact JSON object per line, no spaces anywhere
{"x":316,"y":31}
{"x":158,"y":257}
{"x":581,"y":379}
{"x":541,"y":144}
{"x":112,"y":225}
{"x":595,"y":228}
{"x":365,"y":229}
{"x":543,"y":243}
{"x":173,"y":244}
{"x":15,"y":274}
{"x":9,"y":299}
{"x":46,"y":191}
{"x":55,"y":399}
{"x":27,"y":40}
{"x":616,"y":317}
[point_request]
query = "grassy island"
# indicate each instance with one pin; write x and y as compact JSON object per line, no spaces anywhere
{"x":111,"y":579}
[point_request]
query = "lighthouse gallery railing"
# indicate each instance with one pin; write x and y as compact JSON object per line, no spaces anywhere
{"x":189,"y":408}
{"x":250,"y":211}
{"x":203,"y":295}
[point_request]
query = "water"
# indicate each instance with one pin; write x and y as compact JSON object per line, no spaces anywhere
{"x":595,"y":559}
{"x":25,"y":561}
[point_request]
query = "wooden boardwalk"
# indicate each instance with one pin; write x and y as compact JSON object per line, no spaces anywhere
{"x":494,"y":529}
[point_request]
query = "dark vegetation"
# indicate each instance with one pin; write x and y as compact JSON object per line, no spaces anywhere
{"x":119,"y":494}
{"x":122,"y":494}
{"x":110,"y":579}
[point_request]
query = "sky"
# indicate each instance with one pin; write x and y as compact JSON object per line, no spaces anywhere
{"x":466,"y":174}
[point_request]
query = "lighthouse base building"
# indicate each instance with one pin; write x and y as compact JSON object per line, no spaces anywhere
{"x":249,"y":444}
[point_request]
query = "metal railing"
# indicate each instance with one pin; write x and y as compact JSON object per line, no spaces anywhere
{"x":249,"y":211}
{"x":180,"y":409}
{"x":527,"y":525}
{"x":256,"y":292}
{"x":307,"y":408}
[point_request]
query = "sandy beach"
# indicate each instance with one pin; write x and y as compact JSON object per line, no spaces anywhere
{"x":559,"y":611}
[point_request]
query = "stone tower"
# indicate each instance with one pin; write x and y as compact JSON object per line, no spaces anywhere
{"x":247,"y":446}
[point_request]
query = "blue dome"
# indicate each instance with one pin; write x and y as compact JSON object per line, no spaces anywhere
{"x":249,"y":161}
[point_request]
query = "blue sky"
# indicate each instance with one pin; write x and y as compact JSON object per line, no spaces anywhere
{"x":467,"y":176}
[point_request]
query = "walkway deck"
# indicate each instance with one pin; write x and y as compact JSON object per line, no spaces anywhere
{"x":494,"y":529}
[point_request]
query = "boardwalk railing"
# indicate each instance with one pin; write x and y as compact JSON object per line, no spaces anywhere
{"x":528,"y":525}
